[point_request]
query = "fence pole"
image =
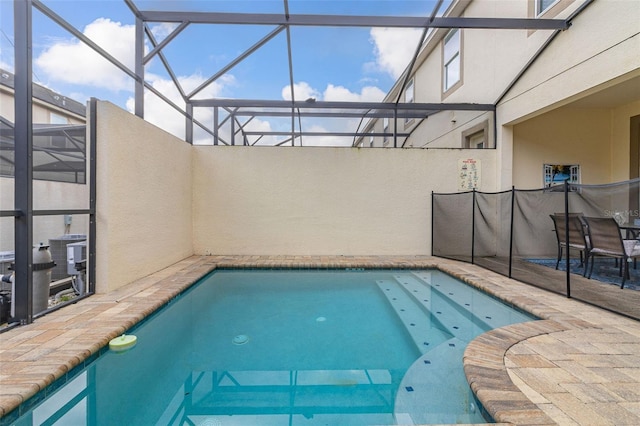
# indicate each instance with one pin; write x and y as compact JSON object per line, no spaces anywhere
{"x":566,"y":235}
{"x":513,"y":201}
{"x":432,"y":215}
{"x":473,"y":226}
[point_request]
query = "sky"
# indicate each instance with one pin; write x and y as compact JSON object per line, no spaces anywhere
{"x":329,"y":63}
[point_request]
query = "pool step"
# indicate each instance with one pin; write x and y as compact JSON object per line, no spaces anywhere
{"x":418,"y":323}
{"x":425,"y":396}
{"x":446,"y":313}
{"x":488,"y":313}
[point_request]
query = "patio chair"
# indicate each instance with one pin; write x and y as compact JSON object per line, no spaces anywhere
{"x":605,"y":238}
{"x":578,"y":238}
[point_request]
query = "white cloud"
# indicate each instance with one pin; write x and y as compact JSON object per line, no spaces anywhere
{"x":302,"y":91}
{"x":394,"y":48}
{"x":340,"y":93}
{"x":331,"y":93}
{"x":328,"y":140}
{"x":161,"y":31}
{"x":258,"y":125}
{"x":161,"y":114}
{"x":72,"y":61}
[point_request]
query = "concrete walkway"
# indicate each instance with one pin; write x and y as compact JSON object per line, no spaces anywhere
{"x":579,"y":365}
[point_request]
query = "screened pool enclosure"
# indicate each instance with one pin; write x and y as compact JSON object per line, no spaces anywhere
{"x":46,"y":151}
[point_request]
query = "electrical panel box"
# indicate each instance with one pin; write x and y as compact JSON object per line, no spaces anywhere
{"x":76,"y":252}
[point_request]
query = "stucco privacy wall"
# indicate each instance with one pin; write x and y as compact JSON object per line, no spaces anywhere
{"x":144,"y":198}
{"x":315,"y":201}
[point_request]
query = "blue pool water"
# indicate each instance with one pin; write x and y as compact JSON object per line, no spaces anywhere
{"x":296,"y":347}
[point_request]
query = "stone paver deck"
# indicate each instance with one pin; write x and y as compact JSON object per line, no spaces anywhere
{"x":579,"y":365}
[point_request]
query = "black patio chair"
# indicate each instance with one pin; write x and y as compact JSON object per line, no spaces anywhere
{"x":605,"y":238}
{"x":578,"y":238}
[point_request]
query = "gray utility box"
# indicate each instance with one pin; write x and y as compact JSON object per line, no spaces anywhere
{"x":76,"y":252}
{"x":58,"y":248}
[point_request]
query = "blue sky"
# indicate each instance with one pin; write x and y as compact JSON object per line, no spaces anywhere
{"x":329,"y":63}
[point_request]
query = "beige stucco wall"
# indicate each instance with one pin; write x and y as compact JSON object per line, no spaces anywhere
{"x":564,"y":136}
{"x":596,"y":139}
{"x":579,"y":60}
{"x":314,"y":201}
{"x":601,"y":56}
{"x":144,"y":198}
{"x":621,"y":137}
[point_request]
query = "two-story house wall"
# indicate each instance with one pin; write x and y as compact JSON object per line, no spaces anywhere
{"x":561,"y":97}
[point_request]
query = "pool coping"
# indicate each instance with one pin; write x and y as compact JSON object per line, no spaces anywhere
{"x":54,"y":346}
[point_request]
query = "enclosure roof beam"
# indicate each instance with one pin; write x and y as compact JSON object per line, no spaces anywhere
{"x":413,"y":106}
{"x":335,"y":114}
{"x":353,"y":20}
{"x":296,"y":134}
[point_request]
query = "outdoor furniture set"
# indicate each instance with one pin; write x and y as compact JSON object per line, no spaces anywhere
{"x":597,"y":236}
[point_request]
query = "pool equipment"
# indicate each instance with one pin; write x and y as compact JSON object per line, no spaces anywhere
{"x":77,"y":265}
{"x":42,"y":266}
{"x":7,"y":307}
{"x":123,"y":343}
{"x":58,"y":247}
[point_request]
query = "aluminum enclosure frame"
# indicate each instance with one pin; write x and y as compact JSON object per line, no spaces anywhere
{"x":23,"y":213}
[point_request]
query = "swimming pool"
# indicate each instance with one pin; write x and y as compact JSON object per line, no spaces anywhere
{"x":291,"y":347}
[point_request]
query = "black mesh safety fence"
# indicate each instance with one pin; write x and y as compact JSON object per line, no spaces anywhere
{"x":513,"y":233}
{"x":492,"y":230}
{"x":452,"y":225}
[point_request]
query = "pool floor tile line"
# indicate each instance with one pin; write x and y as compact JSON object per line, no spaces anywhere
{"x":578,"y":365}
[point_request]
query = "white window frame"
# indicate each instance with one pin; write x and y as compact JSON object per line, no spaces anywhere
{"x":477,"y":140}
{"x":57,"y":118}
{"x":451,"y":59}
{"x":385,"y":129}
{"x":471,"y":135}
{"x":409,"y":97}
{"x":541,"y":8}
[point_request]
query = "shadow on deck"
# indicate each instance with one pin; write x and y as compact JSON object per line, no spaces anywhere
{"x":604,"y":295}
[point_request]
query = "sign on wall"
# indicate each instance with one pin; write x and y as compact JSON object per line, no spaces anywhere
{"x":469,"y":174}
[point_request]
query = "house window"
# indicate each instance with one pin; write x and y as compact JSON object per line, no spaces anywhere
{"x":57,"y":118}
{"x":476,"y":137}
{"x":385,"y":130}
{"x":543,"y":5}
{"x":451,"y":59}
{"x":59,"y":140}
{"x":408,"y":98}
{"x":476,"y":140}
